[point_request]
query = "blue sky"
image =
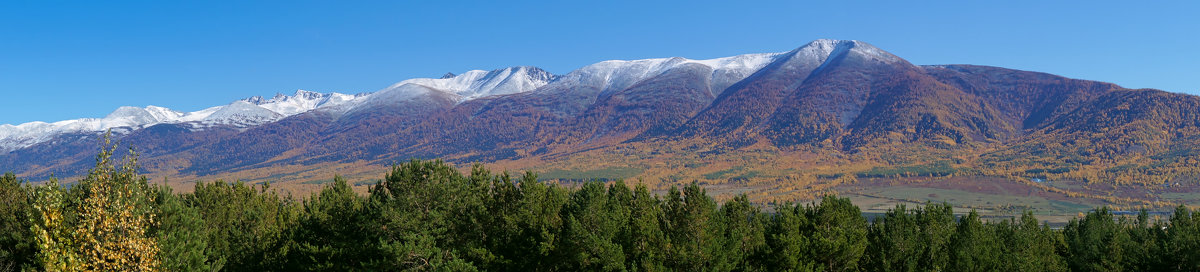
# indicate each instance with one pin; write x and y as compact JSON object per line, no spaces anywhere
{"x":64,"y":60}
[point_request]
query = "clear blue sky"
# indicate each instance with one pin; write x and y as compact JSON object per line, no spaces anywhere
{"x":64,"y":60}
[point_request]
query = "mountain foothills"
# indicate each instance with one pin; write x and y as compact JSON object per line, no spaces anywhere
{"x":826,"y":113}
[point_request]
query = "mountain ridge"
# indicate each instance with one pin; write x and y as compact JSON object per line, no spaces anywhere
{"x":839,"y":102}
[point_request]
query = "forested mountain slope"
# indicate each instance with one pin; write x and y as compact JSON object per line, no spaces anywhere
{"x":828,"y":108}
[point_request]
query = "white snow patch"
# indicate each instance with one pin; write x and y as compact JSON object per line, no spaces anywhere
{"x":615,"y":75}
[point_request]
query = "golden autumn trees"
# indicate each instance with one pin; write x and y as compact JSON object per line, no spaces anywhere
{"x":101,"y":224}
{"x":53,"y":237}
{"x":114,"y":217}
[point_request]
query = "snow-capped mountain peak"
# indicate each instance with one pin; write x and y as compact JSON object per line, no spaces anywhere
{"x":615,"y":75}
{"x":478,"y":83}
{"x":27,"y":134}
{"x":820,"y":52}
{"x":300,"y":102}
{"x":242,"y":113}
{"x":458,"y":88}
{"x":135,"y":116}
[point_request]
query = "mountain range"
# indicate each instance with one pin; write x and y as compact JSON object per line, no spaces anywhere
{"x":827,"y":109}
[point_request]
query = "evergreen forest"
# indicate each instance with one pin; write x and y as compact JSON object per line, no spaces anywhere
{"x":429,"y":216}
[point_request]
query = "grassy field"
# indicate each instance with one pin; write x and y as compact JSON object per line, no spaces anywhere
{"x":603,"y":174}
{"x":769,"y":176}
{"x":999,"y":198}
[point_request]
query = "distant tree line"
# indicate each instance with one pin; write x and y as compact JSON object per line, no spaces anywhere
{"x":426,"y":215}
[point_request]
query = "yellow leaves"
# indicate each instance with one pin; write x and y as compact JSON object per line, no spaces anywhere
{"x":113,"y":218}
{"x":52,"y":236}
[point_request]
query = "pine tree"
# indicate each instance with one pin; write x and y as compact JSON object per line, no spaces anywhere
{"x":1145,"y":250}
{"x":331,"y":233}
{"x":1028,"y":246}
{"x":590,"y":228}
{"x":937,"y":228}
{"x":419,"y":204}
{"x":17,"y":246}
{"x":894,"y":242}
{"x":742,"y":240}
{"x":974,"y":246}
{"x":789,"y":240}
{"x":248,"y":227}
{"x":839,"y":234}
{"x":1182,"y":243}
{"x":644,"y":245}
{"x":690,"y":227}
{"x":1095,"y":242}
{"x":182,"y":238}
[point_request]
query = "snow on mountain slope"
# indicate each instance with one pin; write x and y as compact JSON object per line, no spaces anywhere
{"x":395,"y":95}
{"x":602,"y":77}
{"x":730,"y":70}
{"x":478,"y":83}
{"x":242,"y":113}
{"x":27,"y":134}
{"x":134,"y":116}
{"x":256,"y":110}
{"x":458,"y":88}
{"x":301,"y":101}
{"x":817,"y":54}
{"x":616,"y":75}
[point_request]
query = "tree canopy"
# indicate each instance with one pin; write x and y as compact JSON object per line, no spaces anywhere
{"x":427,"y":215}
